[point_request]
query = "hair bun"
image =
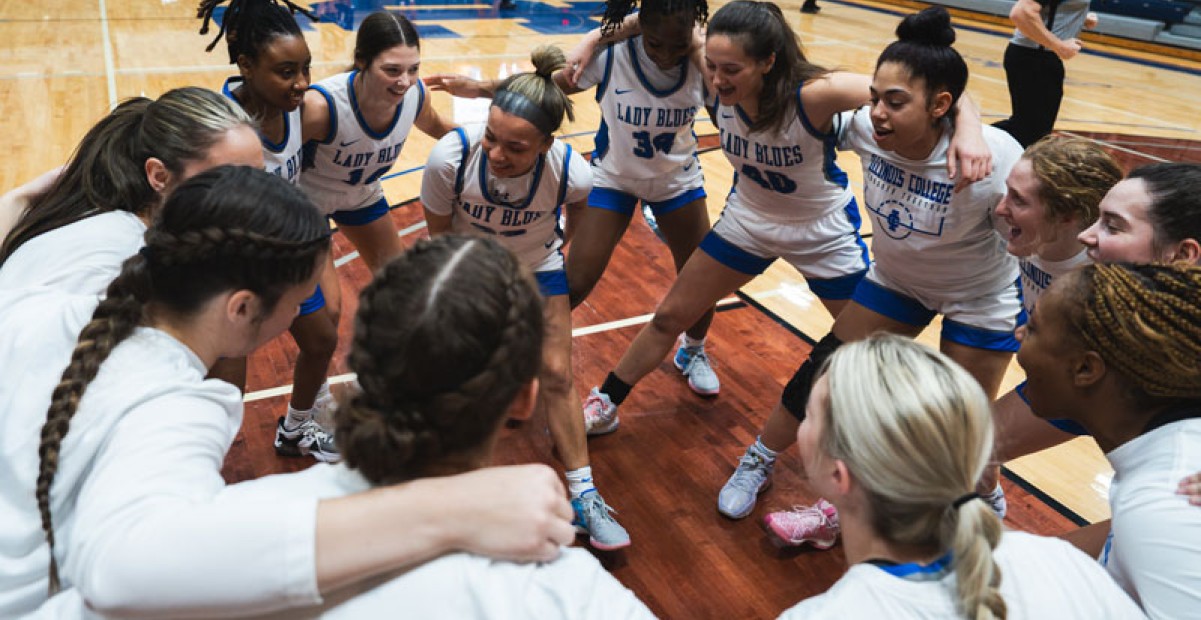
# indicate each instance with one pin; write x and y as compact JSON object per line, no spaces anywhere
{"x":931,"y":26}
{"x":547,"y":59}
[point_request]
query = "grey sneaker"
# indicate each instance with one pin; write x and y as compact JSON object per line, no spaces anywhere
{"x":996,"y":501}
{"x":695,"y":364}
{"x":600,"y":414}
{"x":753,"y":476}
{"x":592,"y":517}
{"x":309,"y":439}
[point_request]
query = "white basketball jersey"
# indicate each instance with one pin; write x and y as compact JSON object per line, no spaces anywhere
{"x":646,"y":114}
{"x":927,"y":237}
{"x":787,"y":175}
{"x":283,"y":159}
{"x":342,"y":172}
{"x":522,"y":212}
{"x":1037,"y":275}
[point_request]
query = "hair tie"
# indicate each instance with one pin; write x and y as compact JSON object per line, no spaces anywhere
{"x":965,"y":499}
{"x":521,"y":106}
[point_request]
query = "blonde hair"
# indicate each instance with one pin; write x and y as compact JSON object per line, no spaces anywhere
{"x":1073,"y":174}
{"x":539,"y":89}
{"x":916,"y":431}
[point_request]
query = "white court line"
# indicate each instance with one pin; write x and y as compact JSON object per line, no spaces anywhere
{"x":355,"y":254}
{"x":109,"y":71}
{"x":583,"y":331}
{"x":1118,"y":148}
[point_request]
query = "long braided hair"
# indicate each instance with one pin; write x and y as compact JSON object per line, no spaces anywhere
{"x":249,"y":25}
{"x":616,"y":10}
{"x":445,"y":338}
{"x":1073,"y":176}
{"x":1145,"y":322}
{"x":230,"y":228}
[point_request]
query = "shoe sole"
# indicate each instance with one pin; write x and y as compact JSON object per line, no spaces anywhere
{"x":784,"y":543}
{"x":604,"y":430}
{"x":691,"y":385}
{"x":762,"y":489}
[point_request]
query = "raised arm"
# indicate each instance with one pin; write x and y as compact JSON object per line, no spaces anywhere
{"x":969,"y":158}
{"x":431,"y":123}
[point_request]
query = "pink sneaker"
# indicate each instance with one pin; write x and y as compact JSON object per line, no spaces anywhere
{"x":816,"y":525}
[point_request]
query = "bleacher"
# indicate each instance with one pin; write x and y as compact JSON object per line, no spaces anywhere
{"x":1170,"y":22}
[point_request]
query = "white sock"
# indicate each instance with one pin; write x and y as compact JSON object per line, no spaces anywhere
{"x":297,"y":417}
{"x":768,"y":454}
{"x":579,"y":481}
{"x":692,"y":343}
{"x":323,"y":393}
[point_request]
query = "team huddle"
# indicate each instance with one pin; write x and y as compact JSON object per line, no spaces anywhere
{"x":187,"y":231}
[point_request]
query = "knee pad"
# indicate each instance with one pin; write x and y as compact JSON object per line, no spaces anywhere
{"x":796,"y":392}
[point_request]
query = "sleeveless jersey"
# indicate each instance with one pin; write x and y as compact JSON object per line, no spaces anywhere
{"x":927,"y":238}
{"x":788,"y":175}
{"x":342,"y":171}
{"x":1037,"y":274}
{"x":646,"y":113}
{"x":522,"y":212}
{"x":283,"y":159}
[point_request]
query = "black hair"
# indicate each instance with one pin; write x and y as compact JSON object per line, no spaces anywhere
{"x":383,"y":31}
{"x":249,"y":25}
{"x":923,"y":46}
{"x":1175,"y":190}
{"x":616,"y":10}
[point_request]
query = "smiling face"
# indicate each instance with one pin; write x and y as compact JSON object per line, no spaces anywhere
{"x":279,"y":75}
{"x":666,"y":39}
{"x":1024,"y":213}
{"x":736,"y":77}
{"x":1124,"y":231}
{"x":512,"y":144}
{"x":390,"y":74}
{"x":1047,"y":352}
{"x":904,"y":120}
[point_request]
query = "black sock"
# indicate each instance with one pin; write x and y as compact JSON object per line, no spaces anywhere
{"x":616,"y":389}
{"x":796,"y":391}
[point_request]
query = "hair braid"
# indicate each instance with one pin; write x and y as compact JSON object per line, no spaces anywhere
{"x":1074,"y":174}
{"x":248,"y":24}
{"x":112,"y":322}
{"x":1143,"y":321}
{"x":435,"y":387}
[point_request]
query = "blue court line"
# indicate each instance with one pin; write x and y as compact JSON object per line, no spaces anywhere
{"x":1111,"y":55}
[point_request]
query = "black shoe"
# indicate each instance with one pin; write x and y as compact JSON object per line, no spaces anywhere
{"x":810,"y":8}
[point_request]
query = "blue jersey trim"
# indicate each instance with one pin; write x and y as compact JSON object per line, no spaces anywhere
{"x":604,"y":83}
{"x":313,"y":303}
{"x":733,"y":256}
{"x":462,"y":162}
{"x":642,"y":76}
{"x":358,"y":115}
{"x":333,"y":115}
{"x":892,"y":304}
{"x":538,"y":166}
{"x":852,"y":213}
{"x":552,"y":283}
{"x":601,"y":140}
{"x":978,"y":337}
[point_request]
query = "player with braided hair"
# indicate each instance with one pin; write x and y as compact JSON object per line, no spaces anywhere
{"x":126,"y":472}
{"x":447,"y":347}
{"x":355,"y":126}
{"x":511,"y":179}
{"x":265,"y":42}
{"x":1117,"y":349}
{"x":649,"y":95}
{"x":76,"y":233}
{"x":897,"y":435}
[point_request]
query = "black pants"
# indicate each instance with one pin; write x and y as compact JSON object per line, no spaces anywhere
{"x":1035,"y":90}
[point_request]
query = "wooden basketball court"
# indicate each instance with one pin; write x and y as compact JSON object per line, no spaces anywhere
{"x":65,"y":65}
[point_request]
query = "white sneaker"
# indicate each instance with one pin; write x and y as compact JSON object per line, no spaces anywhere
{"x":695,"y":364}
{"x":600,"y":414}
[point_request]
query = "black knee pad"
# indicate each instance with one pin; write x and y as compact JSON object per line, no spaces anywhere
{"x":796,"y":392}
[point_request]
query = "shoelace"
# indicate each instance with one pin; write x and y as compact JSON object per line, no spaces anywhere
{"x":805,"y":519}
{"x":755,"y":469}
{"x":595,"y":506}
{"x":698,"y":355}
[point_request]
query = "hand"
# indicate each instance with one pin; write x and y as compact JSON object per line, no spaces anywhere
{"x":1069,"y":49}
{"x":1090,"y":21}
{"x":968,"y":159}
{"x":457,"y":85}
{"x":518,"y":513}
{"x":580,"y":56}
{"x":1191,"y":487}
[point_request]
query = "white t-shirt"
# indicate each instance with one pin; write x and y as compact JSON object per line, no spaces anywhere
{"x":459,"y":585}
{"x":1037,"y":274}
{"x":647,"y":113}
{"x":283,"y":159}
{"x":82,"y":257}
{"x":1040,"y":578}
{"x":1154,"y":550}
{"x":928,"y":239}
{"x":135,"y":525}
{"x":522,"y":212}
